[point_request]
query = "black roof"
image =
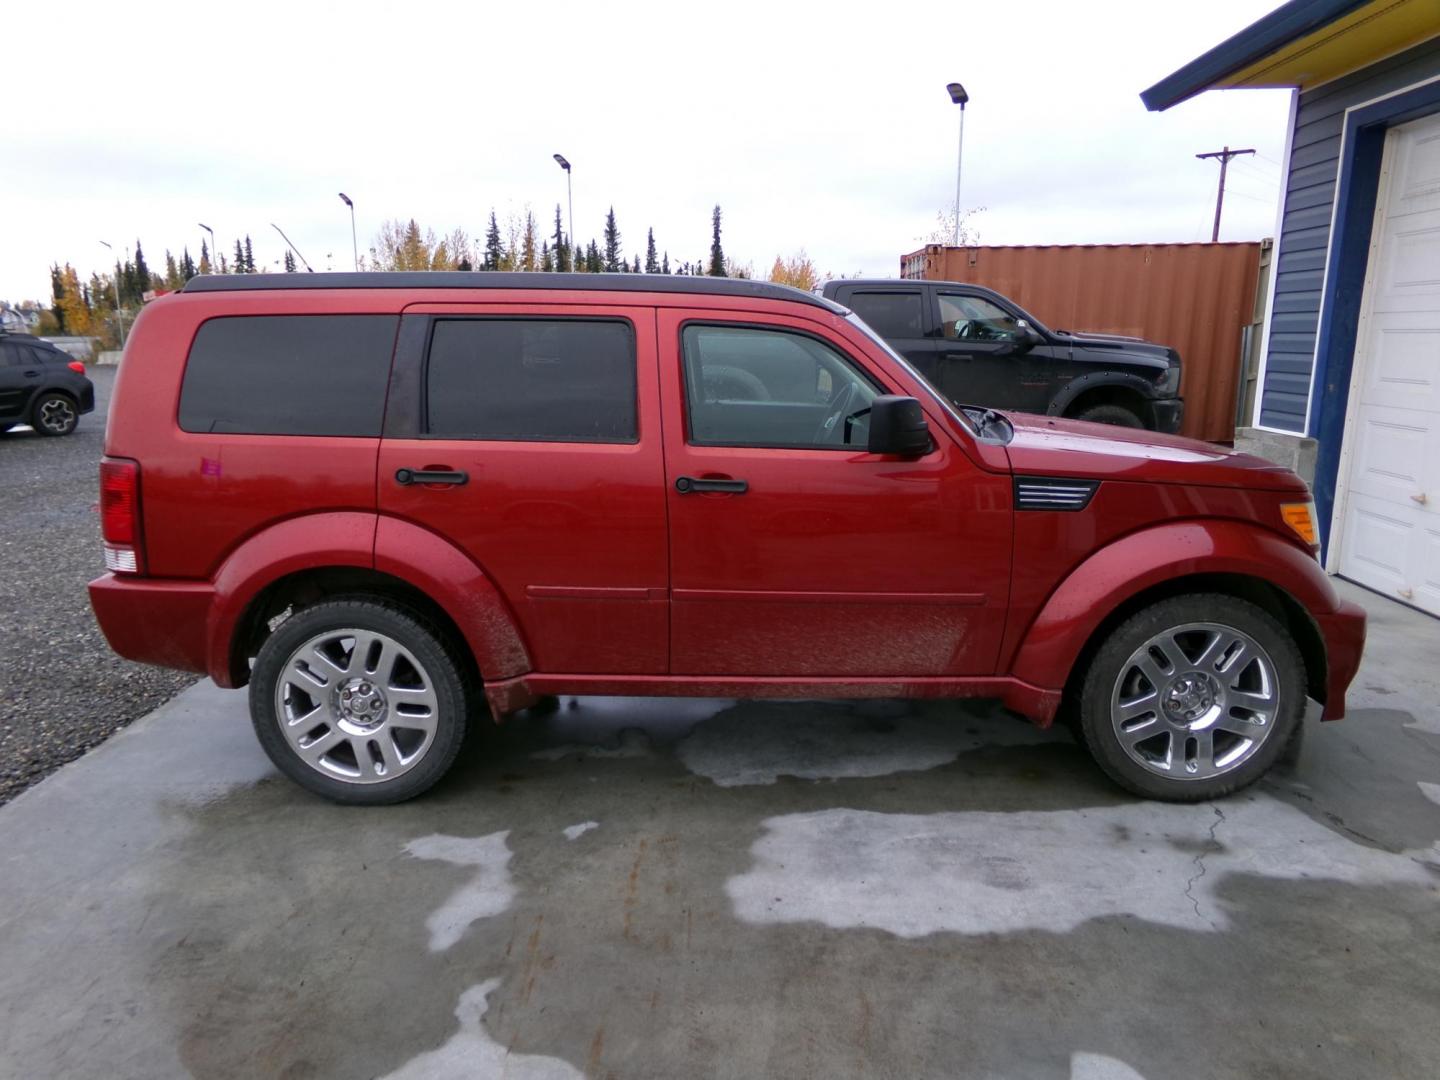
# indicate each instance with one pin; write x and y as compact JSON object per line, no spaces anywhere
{"x":475,"y":279}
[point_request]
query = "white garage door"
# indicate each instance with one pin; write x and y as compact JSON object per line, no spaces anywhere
{"x":1390,"y":533}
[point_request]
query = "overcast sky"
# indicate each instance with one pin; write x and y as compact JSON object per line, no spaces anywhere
{"x":823,"y":126}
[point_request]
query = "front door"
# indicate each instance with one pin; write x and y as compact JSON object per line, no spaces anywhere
{"x":795,"y":552}
{"x":535,"y":447}
{"x":981,"y":360}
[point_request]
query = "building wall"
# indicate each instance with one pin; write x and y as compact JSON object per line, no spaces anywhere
{"x":1197,"y":298}
{"x":1305,"y":229}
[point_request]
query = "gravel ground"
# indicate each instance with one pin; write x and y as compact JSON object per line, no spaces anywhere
{"x":62,"y":690}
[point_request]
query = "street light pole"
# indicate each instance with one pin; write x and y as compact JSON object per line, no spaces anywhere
{"x":354,"y":244}
{"x":570,"y":195}
{"x":959,"y":97}
{"x":119,"y":315}
{"x":214,"y":254}
{"x":292,"y":247}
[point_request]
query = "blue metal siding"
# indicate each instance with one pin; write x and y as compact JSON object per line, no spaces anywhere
{"x":1305,"y":229}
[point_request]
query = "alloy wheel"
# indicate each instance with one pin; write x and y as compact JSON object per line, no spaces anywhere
{"x":1195,"y":701}
{"x":57,"y":415}
{"x":357,"y":706}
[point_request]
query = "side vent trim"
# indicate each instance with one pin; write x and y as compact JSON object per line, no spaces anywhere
{"x":1053,"y":493}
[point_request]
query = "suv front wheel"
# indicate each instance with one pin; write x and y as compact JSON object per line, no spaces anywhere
{"x":359,"y":700}
{"x":1192,"y":698}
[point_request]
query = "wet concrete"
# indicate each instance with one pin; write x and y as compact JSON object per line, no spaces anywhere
{"x":635,"y":888}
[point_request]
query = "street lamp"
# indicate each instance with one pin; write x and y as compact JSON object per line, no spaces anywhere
{"x":570,"y":194}
{"x":292,"y":247}
{"x":354,"y":244}
{"x":119,"y":315}
{"x":214,"y":251}
{"x":959,"y":97}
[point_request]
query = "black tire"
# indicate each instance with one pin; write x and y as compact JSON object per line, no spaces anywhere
{"x":437,"y":656}
{"x":1118,"y":415}
{"x":54,"y":414}
{"x":1098,"y":732}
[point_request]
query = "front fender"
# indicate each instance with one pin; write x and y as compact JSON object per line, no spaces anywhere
{"x":1142,"y":560}
{"x":1067,"y":394}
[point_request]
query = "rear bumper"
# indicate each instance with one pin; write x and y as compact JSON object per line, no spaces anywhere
{"x":1344,"y":633}
{"x":87,"y":397}
{"x":155,"y":621}
{"x":1167,"y":414}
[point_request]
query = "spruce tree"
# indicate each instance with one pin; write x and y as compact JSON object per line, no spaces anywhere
{"x":238,"y":263}
{"x":187,"y":264}
{"x":665,"y":264}
{"x":464,"y":264}
{"x":636,"y":268}
{"x":172,"y":272}
{"x":206,"y":266}
{"x":593,"y":262}
{"x":289,"y":262}
{"x":612,"y":244}
{"x":717,"y":255}
{"x":547,"y":261}
{"x":494,"y":249}
{"x":562,"y":249}
{"x":249,"y":256}
{"x":652,"y":264}
{"x":142,"y":272}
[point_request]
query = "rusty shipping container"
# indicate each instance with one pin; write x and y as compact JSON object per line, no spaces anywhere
{"x":1197,"y":298}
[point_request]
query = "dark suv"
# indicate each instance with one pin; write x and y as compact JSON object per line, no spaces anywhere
{"x":980,"y":348}
{"x":41,"y":386}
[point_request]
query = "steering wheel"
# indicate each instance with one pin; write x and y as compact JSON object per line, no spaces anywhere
{"x":827,"y":426}
{"x":965,"y":329}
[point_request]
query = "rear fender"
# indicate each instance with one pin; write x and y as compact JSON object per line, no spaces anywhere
{"x":1049,"y":649}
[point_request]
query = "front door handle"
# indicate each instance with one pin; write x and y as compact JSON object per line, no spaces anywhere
{"x":405,"y":477}
{"x":686,"y":485}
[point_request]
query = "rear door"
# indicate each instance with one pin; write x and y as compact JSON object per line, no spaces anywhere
{"x":15,"y":384}
{"x":793,"y":551}
{"x":550,"y":416}
{"x":901,"y":315}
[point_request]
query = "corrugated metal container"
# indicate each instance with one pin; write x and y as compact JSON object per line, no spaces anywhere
{"x":1197,"y":298}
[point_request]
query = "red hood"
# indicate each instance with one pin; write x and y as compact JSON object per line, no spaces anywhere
{"x":1050,"y":446}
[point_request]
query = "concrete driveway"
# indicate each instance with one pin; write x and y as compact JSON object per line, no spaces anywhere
{"x":682,"y":889}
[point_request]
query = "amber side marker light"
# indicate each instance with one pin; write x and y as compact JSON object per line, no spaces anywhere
{"x":1301,"y":519}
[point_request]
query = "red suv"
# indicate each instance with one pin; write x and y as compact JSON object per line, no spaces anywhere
{"x":376,"y":497}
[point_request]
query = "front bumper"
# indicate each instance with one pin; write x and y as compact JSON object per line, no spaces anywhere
{"x":1167,"y":414}
{"x":1344,"y":633}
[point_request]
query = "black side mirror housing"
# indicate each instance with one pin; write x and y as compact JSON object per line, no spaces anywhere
{"x":898,"y":426}
{"x":1026,"y":337}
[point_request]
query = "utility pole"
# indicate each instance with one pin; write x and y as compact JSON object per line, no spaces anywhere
{"x":1224,"y":155}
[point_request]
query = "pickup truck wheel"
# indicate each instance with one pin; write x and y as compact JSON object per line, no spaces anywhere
{"x":359,"y":700}
{"x":1118,"y":415}
{"x":1192,"y":698}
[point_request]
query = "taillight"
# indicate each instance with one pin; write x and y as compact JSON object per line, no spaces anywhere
{"x":76,"y":366}
{"x":120,"y":515}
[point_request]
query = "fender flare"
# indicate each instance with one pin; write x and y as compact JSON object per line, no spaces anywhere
{"x":1123,"y":569}
{"x":1067,"y":394}
{"x":367,"y":541}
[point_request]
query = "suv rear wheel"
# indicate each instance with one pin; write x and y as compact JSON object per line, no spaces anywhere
{"x":54,"y":414}
{"x":1192,"y":698}
{"x":360,"y":700}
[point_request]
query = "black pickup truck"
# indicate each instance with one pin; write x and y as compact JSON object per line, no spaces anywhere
{"x":980,"y":348}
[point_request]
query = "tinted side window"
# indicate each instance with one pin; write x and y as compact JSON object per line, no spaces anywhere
{"x":973,"y":318}
{"x":532,"y":380}
{"x":289,"y":375}
{"x":891,"y":314}
{"x":748,"y":386}
{"x":9,"y":354}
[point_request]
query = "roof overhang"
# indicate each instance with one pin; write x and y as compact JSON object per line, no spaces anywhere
{"x":1302,"y":43}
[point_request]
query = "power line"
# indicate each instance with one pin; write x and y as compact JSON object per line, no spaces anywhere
{"x":1224,"y":155}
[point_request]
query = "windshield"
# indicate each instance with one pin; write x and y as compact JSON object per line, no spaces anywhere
{"x":961,"y":418}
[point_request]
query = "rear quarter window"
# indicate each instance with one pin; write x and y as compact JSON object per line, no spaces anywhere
{"x":891,"y":314}
{"x":289,"y":375}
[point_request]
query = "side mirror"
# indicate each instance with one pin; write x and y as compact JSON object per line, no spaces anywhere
{"x":897,"y":426}
{"x":1026,"y":336}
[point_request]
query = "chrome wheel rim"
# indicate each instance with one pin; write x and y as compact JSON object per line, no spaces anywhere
{"x":1195,"y":702}
{"x":357,"y":706}
{"x":57,"y":414}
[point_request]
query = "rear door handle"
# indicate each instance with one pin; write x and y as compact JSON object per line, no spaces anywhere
{"x":686,"y":485}
{"x":406,"y":477}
